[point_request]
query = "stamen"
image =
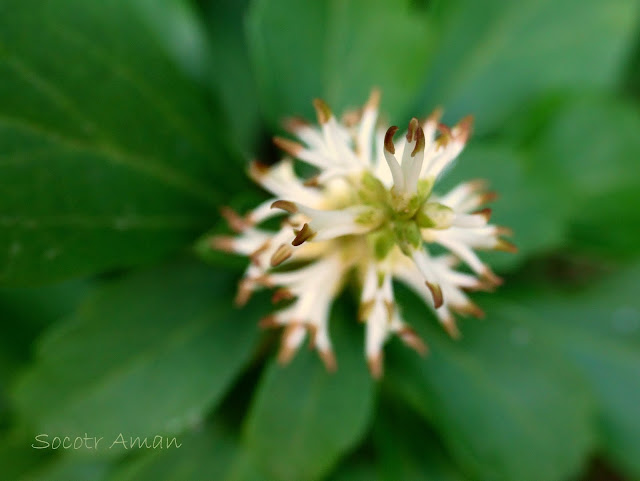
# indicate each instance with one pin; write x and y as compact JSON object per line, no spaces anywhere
{"x":392,"y":162}
{"x":413,"y":126}
{"x":257,"y":170}
{"x":374,"y":100}
{"x":280,"y":255}
{"x":235,"y":221}
{"x":486,"y":213}
{"x":506,"y":246}
{"x":223,"y":243}
{"x":285,"y":205}
{"x":463,"y":129}
{"x":289,"y":146}
{"x":282,"y":294}
{"x":411,"y":339}
{"x":449,"y":324}
{"x":420,"y":143}
{"x":375,"y":365}
{"x":303,"y":235}
{"x":388,"y":139}
{"x":436,"y":293}
{"x":322,"y":111}
{"x":329,"y":360}
{"x":268,"y":322}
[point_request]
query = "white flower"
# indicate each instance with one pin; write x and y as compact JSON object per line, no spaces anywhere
{"x":369,"y":209}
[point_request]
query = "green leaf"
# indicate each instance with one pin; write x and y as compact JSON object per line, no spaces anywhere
{"x":592,"y":147}
{"x":494,"y":55}
{"x":337,"y":50}
{"x":598,"y":330}
{"x":204,"y":453}
{"x":407,"y":447}
{"x":66,"y":468}
{"x":146,"y":355}
{"x":109,"y":156}
{"x":25,"y":313}
{"x":177,"y":25}
{"x":502,"y":400}
{"x":355,"y":470}
{"x":232,"y":76}
{"x":16,"y":455}
{"x":304,"y":418}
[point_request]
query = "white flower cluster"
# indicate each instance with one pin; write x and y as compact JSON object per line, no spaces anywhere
{"x":369,"y":209}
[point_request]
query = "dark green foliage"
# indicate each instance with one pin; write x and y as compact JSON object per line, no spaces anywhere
{"x":126,"y":124}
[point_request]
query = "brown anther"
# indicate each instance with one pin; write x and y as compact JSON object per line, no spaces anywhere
{"x":435,"y":116}
{"x":445,"y":135}
{"x":477,"y":184}
{"x":294,"y":124}
{"x":449,"y":324}
{"x":289,"y":146}
{"x":491,"y":277}
{"x":257,"y":170}
{"x":222,"y":243}
{"x":280,"y":255}
{"x":245,"y":289}
{"x":263,"y":280}
{"x":236,"y":222}
{"x":375,"y":365}
{"x":506,"y":246}
{"x":488,"y":197}
{"x":311,"y":182}
{"x":285,"y":205}
{"x":374,"y":99}
{"x":470,"y":309}
{"x":255,"y":255}
{"x":322,"y":111}
{"x":351,"y":117}
{"x":411,"y":339}
{"x":463,"y":129}
{"x":282,"y":294}
{"x":436,"y":293}
{"x":413,"y":126}
{"x":500,"y":230}
{"x":329,"y":360}
{"x":286,"y":352}
{"x":420,"y":142}
{"x":388,"y":139}
{"x":444,"y":130}
{"x":482,"y":285}
{"x":303,"y":235}
{"x":268,"y":322}
{"x":485,"y":213}
{"x":313,"y":335}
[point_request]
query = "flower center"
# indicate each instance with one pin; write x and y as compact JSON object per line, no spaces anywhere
{"x":396,"y":217}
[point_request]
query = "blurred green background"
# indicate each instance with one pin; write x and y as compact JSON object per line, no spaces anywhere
{"x":126,"y":124}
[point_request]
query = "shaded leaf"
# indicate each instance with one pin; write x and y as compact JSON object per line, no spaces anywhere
{"x":25,"y":313}
{"x":592,"y":148}
{"x":495,"y":54}
{"x":232,"y":75}
{"x":407,"y":448}
{"x":203,"y":454}
{"x":598,"y":330}
{"x":108,"y":155}
{"x":146,"y":355}
{"x":304,"y":418}
{"x":337,"y":50}
{"x":501,"y":398}
{"x":355,"y":470}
